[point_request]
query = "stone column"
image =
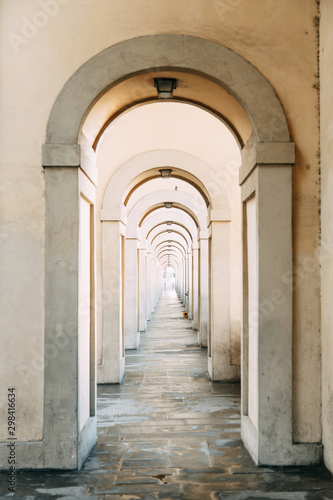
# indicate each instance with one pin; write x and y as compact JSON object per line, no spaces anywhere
{"x":190,"y":271}
{"x":204,"y":292}
{"x":142,"y":291}
{"x":132,"y":335}
{"x":152,"y":285}
{"x":156,"y":285}
{"x":219,"y":345}
{"x":178,"y":280}
{"x":195,"y":288}
{"x":112,"y":369}
{"x":148,"y":286}
{"x":182,"y":296}
{"x":266,"y":180}
{"x":67,"y":439}
{"x":186,"y":281}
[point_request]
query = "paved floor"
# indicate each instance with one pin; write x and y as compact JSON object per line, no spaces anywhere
{"x":170,"y":433}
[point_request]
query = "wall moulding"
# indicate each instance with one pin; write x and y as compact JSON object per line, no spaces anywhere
{"x":144,"y":54}
{"x":266,"y":153}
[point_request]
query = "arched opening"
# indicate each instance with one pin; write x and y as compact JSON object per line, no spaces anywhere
{"x":265,"y":178}
{"x":206,"y":193}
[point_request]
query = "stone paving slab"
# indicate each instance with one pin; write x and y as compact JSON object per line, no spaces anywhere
{"x":170,"y":433}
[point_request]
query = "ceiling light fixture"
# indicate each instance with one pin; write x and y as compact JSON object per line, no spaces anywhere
{"x":168,"y":204}
{"x":165,"y":173}
{"x":165,"y":87}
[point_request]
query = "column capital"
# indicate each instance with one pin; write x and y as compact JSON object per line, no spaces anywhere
{"x":112,"y":214}
{"x":266,"y":153}
{"x":70,"y":155}
{"x":203,"y":235}
{"x":61,"y":155}
{"x":275,"y":153}
{"x":221,"y":215}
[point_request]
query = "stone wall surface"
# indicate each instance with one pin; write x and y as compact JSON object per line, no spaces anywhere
{"x":326,"y":98}
{"x":42,"y":44}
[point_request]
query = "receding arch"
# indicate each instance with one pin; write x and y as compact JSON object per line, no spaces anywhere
{"x":269,"y":146}
{"x":178,"y":206}
{"x":170,"y":51}
{"x":152,"y":202}
{"x":174,"y":223}
{"x":173,"y":242}
{"x":192,"y":102}
{"x":173,"y":234}
{"x":176,"y":173}
{"x":173,"y":260}
{"x":172,"y":267}
{"x":144,"y":165}
{"x":167,"y":252}
{"x":170,"y":247}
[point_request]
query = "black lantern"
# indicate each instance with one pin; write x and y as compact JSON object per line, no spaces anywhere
{"x":165,"y":87}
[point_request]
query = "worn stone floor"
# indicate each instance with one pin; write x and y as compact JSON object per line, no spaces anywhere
{"x":169,"y":432}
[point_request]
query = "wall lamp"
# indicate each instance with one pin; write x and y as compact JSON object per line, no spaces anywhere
{"x":165,"y":173}
{"x":168,"y":204}
{"x":165,"y":87}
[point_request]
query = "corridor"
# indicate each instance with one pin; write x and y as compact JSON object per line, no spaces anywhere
{"x":169,"y":432}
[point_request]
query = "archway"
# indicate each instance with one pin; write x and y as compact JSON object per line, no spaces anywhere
{"x":265,"y":177}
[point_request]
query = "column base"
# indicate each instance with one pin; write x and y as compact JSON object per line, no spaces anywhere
{"x":286,"y":455}
{"x":143,"y":327}
{"x":223,"y":372}
{"x":133,"y":343}
{"x":111,"y":372}
{"x":202,"y":339}
{"x":87,"y":440}
{"x":31,"y":454}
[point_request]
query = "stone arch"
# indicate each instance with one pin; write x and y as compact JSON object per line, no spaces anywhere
{"x":265,"y":177}
{"x":185,"y":52}
{"x":176,"y":236}
{"x":153,"y":201}
{"x":185,"y":165}
{"x":174,"y":243}
{"x":158,"y":225}
{"x":142,"y":210}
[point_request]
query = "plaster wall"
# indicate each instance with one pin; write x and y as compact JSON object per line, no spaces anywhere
{"x":43,"y":51}
{"x":326,"y":99}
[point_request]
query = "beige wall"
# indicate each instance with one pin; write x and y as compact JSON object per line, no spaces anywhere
{"x":326,"y":98}
{"x":279,"y":38}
